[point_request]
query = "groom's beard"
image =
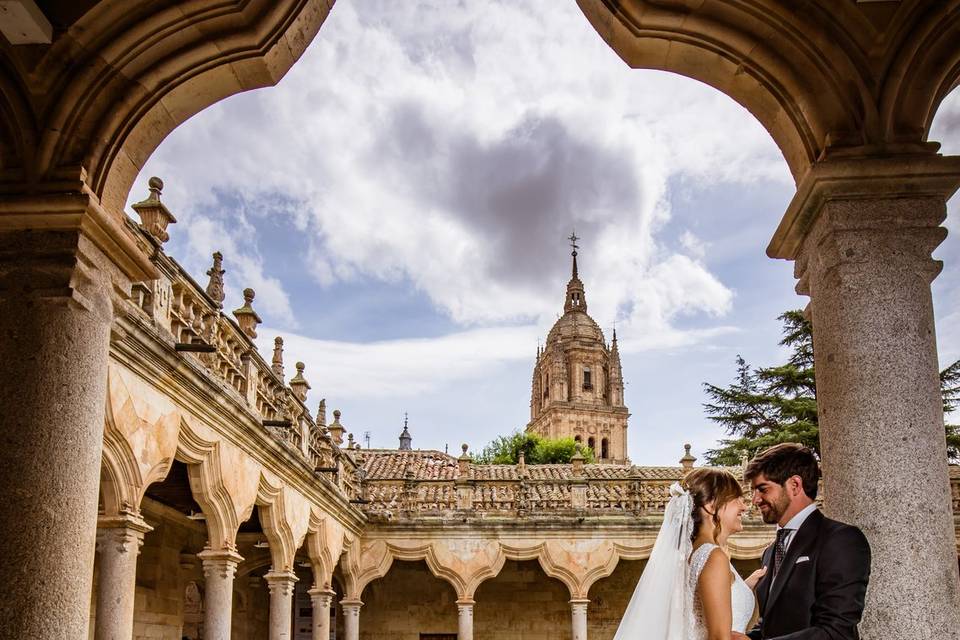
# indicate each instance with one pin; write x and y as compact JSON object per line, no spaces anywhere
{"x":775,"y":509}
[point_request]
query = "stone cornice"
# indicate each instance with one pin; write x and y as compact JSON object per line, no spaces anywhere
{"x":139,"y":350}
{"x":847,"y":178}
{"x":78,"y":212}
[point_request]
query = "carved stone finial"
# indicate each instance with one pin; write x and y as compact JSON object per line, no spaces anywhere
{"x":687,"y":460}
{"x":154,"y":215}
{"x":299,"y":384}
{"x":463,"y":462}
{"x":215,"y":286}
{"x":277,"y":365}
{"x":246,"y":317}
{"x":577,"y":460}
{"x":322,"y":413}
{"x":336,"y":429}
{"x":349,"y":441}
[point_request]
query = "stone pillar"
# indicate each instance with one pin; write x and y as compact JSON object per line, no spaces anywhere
{"x":322,"y":599}
{"x":56,"y":307}
{"x":118,"y":544}
{"x":219,"y":568}
{"x":578,"y":609}
{"x":351,"y":618}
{"x":465,"y":619}
{"x":280,"y":584}
{"x":864,"y":258}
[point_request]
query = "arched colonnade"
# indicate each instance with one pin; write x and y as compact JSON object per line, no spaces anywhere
{"x":847,"y":90}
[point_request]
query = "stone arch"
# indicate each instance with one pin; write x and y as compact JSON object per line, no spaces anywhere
{"x":284,"y":524}
{"x":819,"y":77}
{"x":209,"y":488}
{"x":139,"y":443}
{"x":121,"y":79}
{"x":326,"y":539}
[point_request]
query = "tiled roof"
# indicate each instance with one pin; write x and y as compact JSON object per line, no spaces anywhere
{"x":392,"y":464}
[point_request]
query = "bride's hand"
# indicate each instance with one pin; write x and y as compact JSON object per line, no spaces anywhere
{"x":755,"y":577}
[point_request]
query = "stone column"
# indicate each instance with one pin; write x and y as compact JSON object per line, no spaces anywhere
{"x":219,"y":568}
{"x":578,"y":609}
{"x":465,"y":619}
{"x":118,"y":544}
{"x":322,"y":599}
{"x":865,"y":261}
{"x":56,"y":288}
{"x":351,"y":618}
{"x":280,"y":584}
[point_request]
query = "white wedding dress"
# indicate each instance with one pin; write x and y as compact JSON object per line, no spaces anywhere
{"x":665,"y":606}
{"x":741,"y":596}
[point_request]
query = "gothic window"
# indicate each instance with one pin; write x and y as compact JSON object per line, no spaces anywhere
{"x":587,"y":380}
{"x":604,"y":449}
{"x":592,"y":444}
{"x":546,"y":387}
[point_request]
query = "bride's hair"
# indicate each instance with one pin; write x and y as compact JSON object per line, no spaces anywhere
{"x":706,"y":485}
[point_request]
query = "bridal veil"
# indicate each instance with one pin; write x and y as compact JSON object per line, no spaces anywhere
{"x":661,"y":607}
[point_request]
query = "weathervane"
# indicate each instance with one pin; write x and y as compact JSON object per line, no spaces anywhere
{"x":573,"y":241}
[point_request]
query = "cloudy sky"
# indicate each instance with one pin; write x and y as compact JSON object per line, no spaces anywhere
{"x":400,"y":203}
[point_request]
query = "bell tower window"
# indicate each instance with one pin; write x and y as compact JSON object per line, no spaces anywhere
{"x":604,"y":449}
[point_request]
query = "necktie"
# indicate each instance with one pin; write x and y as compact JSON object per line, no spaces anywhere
{"x":780,"y":550}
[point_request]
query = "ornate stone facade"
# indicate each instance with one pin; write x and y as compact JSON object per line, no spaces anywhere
{"x":577,"y":388}
{"x":126,"y":391}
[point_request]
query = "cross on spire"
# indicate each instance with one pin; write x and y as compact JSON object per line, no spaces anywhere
{"x":573,"y":243}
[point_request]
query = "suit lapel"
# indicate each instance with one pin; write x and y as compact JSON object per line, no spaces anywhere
{"x":803,"y":539}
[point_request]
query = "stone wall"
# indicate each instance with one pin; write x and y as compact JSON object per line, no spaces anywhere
{"x":522,"y":603}
{"x":165,"y":567}
{"x":609,"y":598}
{"x":406,"y":602}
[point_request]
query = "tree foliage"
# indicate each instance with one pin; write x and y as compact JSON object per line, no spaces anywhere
{"x":536,"y":450}
{"x":769,"y":405}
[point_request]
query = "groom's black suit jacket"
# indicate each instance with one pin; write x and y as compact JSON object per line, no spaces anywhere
{"x":819,"y":592}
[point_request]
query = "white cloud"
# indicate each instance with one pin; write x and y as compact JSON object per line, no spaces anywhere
{"x":454,"y":148}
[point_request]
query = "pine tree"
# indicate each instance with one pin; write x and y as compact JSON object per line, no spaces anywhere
{"x":766,"y":406}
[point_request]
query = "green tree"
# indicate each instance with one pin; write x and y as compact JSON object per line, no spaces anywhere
{"x":536,"y":450}
{"x":769,"y":405}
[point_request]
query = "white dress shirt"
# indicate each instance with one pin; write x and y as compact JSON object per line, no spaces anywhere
{"x":794,"y":524}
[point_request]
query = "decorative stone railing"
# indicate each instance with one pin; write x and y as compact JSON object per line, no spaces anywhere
{"x":515,"y":491}
{"x":191,"y":320}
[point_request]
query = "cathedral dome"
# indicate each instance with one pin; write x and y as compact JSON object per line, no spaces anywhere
{"x":574,"y":325}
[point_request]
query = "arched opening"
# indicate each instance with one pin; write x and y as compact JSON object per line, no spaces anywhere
{"x":170,"y":581}
{"x":408,"y":602}
{"x":587,"y":379}
{"x":522,"y":602}
{"x":604,"y":449}
{"x":592,"y":443}
{"x":609,"y":598}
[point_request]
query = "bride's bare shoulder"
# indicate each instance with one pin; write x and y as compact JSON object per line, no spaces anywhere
{"x":716,"y":566}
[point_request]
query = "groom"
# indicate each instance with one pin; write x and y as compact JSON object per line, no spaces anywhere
{"x":818,"y":568}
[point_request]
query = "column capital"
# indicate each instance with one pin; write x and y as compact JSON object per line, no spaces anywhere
{"x":123,"y":533}
{"x":131,"y":521}
{"x":351,"y":604}
{"x":78,"y":212}
{"x":466,"y":602}
{"x":220,"y":562}
{"x":281,"y":581}
{"x":861,"y":178}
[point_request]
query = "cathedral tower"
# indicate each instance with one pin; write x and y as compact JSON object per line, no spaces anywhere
{"x":578,"y":382}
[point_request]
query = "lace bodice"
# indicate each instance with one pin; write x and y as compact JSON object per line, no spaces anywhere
{"x":741,"y":596}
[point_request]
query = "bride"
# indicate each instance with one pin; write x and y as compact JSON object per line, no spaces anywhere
{"x":689,"y":590}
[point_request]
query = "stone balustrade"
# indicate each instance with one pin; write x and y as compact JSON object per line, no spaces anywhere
{"x":191,"y":320}
{"x":434,"y":487}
